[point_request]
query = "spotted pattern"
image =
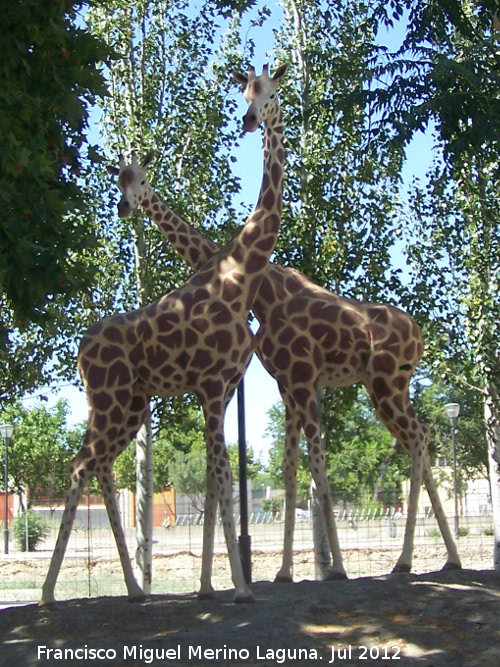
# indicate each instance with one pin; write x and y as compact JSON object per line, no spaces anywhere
{"x":311,"y":338}
{"x":196,"y":339}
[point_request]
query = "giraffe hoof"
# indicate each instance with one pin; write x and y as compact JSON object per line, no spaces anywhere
{"x":335,"y":576}
{"x":206,"y":596}
{"x":243,"y":598}
{"x":283,"y":579}
{"x":401,"y":569}
{"x":451,"y":566}
{"x":50,"y":605}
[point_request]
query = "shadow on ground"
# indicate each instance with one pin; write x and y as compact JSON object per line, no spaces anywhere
{"x":442,"y":618}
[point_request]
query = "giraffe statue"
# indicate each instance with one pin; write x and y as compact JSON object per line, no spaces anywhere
{"x":311,"y":338}
{"x":196,"y":339}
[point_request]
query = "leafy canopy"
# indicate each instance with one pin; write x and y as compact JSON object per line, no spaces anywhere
{"x":50,"y":74}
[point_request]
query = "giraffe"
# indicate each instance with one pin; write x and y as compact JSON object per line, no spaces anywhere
{"x":196,"y":339}
{"x":311,"y":338}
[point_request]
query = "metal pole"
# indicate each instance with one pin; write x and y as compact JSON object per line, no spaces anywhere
{"x":244,"y":539}
{"x":455,"y":495}
{"x":6,"y":487}
{"x":453,"y":410}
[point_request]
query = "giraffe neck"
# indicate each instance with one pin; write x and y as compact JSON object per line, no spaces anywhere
{"x":260,"y":230}
{"x":247,"y":256}
{"x":271,"y":190}
{"x":194,"y":248}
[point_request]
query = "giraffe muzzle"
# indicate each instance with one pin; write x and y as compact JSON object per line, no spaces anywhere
{"x":124,"y":208}
{"x":250,"y":122}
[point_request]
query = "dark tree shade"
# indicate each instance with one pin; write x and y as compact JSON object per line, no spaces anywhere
{"x":49,"y":72}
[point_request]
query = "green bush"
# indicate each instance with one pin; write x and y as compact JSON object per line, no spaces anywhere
{"x":37,"y":530}
{"x":435,"y":533}
{"x":273,"y":505}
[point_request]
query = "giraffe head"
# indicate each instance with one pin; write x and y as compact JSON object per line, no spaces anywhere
{"x":260,"y":95}
{"x":132,"y":182}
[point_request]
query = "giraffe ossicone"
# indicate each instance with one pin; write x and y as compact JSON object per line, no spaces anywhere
{"x":311,"y":338}
{"x":196,"y":339}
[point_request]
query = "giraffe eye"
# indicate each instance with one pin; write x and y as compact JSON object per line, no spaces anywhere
{"x":272,"y":96}
{"x":143,"y":182}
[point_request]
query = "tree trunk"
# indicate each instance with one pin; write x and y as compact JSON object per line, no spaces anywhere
{"x":144,"y":448}
{"x":322,"y":555}
{"x":144,"y":506}
{"x":492,"y":418}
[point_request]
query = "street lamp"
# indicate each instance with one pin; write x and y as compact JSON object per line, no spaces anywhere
{"x":453,"y":410}
{"x":6,"y":431}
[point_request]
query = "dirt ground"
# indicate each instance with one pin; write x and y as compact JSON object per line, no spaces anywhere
{"x":179,"y":573}
{"x":441,"y":618}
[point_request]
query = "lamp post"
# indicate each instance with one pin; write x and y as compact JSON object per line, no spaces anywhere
{"x":453,"y":410}
{"x":6,"y":431}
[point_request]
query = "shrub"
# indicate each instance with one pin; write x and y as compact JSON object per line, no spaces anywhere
{"x":435,"y":533}
{"x":273,"y":505}
{"x":37,"y":530}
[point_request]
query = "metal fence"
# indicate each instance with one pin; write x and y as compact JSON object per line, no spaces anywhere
{"x":370,"y":541}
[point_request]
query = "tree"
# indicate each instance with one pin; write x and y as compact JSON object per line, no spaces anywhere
{"x":356,"y":456}
{"x":340,"y":199}
{"x":456,"y":270}
{"x":447,"y":72}
{"x":429,"y":401}
{"x":188,"y":471}
{"x":40,"y":451}
{"x":254,"y":466}
{"x":50,"y":73}
{"x":183,"y":434}
{"x":170,"y":83}
{"x":363,"y":466}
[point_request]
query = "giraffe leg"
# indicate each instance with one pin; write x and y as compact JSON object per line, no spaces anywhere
{"x":206,"y":591}
{"x":316,"y":459}
{"x":97,"y":456}
{"x":405,"y":560}
{"x":306,"y":410}
{"x":79,"y":474}
{"x":453,"y":560}
{"x":135,"y":592}
{"x":133,"y":415}
{"x":219,"y":476}
{"x":290,"y":463}
{"x":394,"y":407}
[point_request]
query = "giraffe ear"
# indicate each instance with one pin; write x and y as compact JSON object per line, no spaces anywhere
{"x":148,"y":158}
{"x":114,"y":171}
{"x":280,"y":72}
{"x":241,"y":78}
